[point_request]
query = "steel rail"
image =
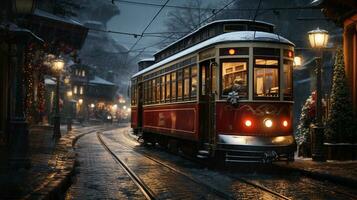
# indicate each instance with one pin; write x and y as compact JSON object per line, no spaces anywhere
{"x":177,"y":171}
{"x":147,"y":192}
{"x":237,"y":178}
{"x":256,"y":185}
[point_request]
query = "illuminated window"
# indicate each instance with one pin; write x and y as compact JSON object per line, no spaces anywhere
{"x":75,"y":89}
{"x":145,"y":92}
{"x":168,"y":88}
{"x":179,"y":85}
{"x":234,"y":77}
{"x":266,"y":78}
{"x":157,"y":93}
{"x":288,"y":79}
{"x":186,"y":91}
{"x":173,"y":86}
{"x":203,"y":81}
{"x":194,"y":81}
{"x":162,"y":88}
{"x":153,"y":91}
{"x":81,"y":90}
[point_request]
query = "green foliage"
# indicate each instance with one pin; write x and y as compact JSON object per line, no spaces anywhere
{"x":305,"y":120}
{"x":341,"y":124}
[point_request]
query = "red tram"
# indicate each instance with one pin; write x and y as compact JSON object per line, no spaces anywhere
{"x":223,"y":90}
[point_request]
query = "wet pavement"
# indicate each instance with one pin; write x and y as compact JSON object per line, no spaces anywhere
{"x":171,"y":176}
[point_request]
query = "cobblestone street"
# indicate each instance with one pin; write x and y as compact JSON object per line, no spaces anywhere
{"x":99,"y":175}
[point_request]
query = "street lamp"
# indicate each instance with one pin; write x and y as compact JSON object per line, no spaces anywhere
{"x":318,"y":39}
{"x":57,"y":67}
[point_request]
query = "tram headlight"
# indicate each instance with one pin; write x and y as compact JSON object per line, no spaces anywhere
{"x":285,"y":123}
{"x":268,"y":123}
{"x":248,"y":123}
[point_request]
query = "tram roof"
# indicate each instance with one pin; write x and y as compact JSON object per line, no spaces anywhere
{"x":215,"y":22}
{"x":239,"y":36}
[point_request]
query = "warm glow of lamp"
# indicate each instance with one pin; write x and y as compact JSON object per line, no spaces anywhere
{"x":124,"y":107}
{"x":248,"y":123}
{"x":268,"y":123}
{"x":58,"y":65}
{"x":318,"y":38}
{"x":92,"y":105}
{"x":232,"y":51}
{"x":297,"y":61}
{"x":66,"y":80}
{"x":285,"y":123}
{"x":80,"y":101}
{"x":69,"y":93}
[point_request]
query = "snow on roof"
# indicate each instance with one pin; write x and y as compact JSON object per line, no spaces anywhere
{"x":98,"y":80}
{"x":45,"y":14}
{"x":213,"y":22}
{"x":49,"y":81}
{"x":241,"y":36}
{"x":147,"y":59}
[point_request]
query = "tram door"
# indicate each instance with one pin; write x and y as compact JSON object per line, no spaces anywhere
{"x":206,"y":99}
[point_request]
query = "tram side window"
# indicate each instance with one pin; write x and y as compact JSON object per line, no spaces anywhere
{"x":193,"y":82}
{"x":266,"y":78}
{"x":288,"y":79}
{"x":186,"y":83}
{"x":179,"y":85}
{"x":234,"y":77}
{"x":168,"y":88}
{"x":153,"y":91}
{"x":158,"y":87}
{"x":149,"y":92}
{"x":173,"y":86}
{"x":163,"y":89}
{"x":145,"y":92}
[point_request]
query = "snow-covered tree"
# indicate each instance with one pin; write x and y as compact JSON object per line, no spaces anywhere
{"x":341,"y":124}
{"x":306,"y":118}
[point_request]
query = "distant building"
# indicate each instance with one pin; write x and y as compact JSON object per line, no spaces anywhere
{"x":91,"y":93}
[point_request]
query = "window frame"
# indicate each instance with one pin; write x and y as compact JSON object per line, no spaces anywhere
{"x":278,"y":66}
{"x":291,"y":98}
{"x":221,"y":74}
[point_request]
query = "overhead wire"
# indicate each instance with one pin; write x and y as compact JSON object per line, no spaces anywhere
{"x":211,"y":9}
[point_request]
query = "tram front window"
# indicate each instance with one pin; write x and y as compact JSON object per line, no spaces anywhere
{"x":234,"y":77}
{"x":266,"y":78}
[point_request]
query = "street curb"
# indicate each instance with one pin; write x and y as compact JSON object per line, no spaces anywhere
{"x":322,"y":176}
{"x":63,"y":164}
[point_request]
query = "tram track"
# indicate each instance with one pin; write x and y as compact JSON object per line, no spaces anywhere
{"x":207,"y":186}
{"x":146,"y":191}
{"x":265,"y":188}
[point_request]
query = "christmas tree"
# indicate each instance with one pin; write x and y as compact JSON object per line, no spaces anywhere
{"x":306,"y":118}
{"x":341,"y":122}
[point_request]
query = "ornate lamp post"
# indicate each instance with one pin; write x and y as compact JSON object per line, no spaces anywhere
{"x":318,"y":40}
{"x":57,"y":66}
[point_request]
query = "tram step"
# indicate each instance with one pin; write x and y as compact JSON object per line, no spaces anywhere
{"x":203,"y":152}
{"x":201,"y":156}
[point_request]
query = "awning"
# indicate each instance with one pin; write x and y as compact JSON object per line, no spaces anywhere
{"x":57,"y":29}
